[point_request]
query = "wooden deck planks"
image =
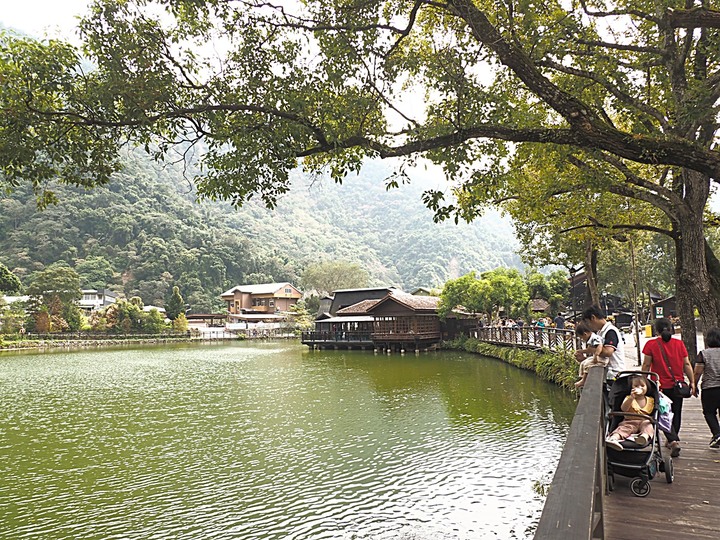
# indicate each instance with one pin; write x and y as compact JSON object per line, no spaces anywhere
{"x":687,"y":508}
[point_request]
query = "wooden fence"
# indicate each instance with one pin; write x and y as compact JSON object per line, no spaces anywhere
{"x":528,"y":337}
{"x":93,"y":336}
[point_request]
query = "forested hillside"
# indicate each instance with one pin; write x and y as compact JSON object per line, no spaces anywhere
{"x":144,"y":233}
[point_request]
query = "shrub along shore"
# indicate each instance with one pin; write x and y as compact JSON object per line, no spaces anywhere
{"x":23,"y":344}
{"x":557,"y":367}
{"x":15,"y":342}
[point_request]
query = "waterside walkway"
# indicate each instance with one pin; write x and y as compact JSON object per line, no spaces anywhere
{"x":687,"y":508}
{"x":580,"y":507}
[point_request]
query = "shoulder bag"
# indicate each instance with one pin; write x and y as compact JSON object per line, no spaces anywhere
{"x":681,"y":387}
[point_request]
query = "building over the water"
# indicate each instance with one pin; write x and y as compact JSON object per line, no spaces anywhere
{"x":381,"y":318}
{"x":405,"y":321}
{"x":344,"y":298}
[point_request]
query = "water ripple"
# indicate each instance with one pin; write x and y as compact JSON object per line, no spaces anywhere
{"x":267,"y":442}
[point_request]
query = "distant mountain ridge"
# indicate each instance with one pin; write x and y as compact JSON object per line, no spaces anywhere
{"x":397,"y":230}
{"x":144,"y":233}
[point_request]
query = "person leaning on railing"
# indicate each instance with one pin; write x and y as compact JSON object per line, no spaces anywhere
{"x":612,"y":349}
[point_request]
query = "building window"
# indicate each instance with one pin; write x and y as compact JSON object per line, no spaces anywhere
{"x":288,"y":291}
{"x":272,"y":303}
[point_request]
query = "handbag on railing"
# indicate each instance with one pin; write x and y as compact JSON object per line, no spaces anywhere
{"x":683,"y":389}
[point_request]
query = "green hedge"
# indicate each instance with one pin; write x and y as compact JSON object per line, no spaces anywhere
{"x":553,"y":366}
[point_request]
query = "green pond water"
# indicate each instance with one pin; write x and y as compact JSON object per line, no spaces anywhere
{"x":273,"y":441}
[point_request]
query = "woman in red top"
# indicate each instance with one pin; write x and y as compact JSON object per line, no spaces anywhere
{"x":677,"y":357}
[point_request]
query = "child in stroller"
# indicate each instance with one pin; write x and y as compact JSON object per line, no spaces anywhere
{"x":635,"y":428}
{"x":632,"y":443}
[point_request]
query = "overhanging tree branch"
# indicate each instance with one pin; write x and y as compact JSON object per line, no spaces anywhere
{"x":699,"y":17}
{"x":622,"y":227}
{"x":652,"y":193}
{"x":612,"y":89}
{"x":591,"y":128}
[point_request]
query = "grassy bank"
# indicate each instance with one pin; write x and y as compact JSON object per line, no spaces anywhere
{"x":557,"y":367}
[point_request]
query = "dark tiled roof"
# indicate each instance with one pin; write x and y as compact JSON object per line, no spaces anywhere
{"x":538,"y":304}
{"x":416,"y":302}
{"x":355,"y":309}
{"x":362,"y":289}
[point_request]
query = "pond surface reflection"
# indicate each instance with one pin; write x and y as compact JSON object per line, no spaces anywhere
{"x":272,"y":441}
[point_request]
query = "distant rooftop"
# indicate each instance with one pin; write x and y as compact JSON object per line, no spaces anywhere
{"x":364,"y":289}
{"x":261,"y":288}
{"x":12,"y":299}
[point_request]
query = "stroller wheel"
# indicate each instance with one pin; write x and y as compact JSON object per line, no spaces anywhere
{"x":640,"y":487}
{"x":669,"y":469}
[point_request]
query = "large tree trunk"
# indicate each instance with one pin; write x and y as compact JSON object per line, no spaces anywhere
{"x":694,"y":284}
{"x":713,"y":266}
{"x":686,"y":313}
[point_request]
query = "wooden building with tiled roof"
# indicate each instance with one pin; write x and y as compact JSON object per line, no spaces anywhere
{"x":261,"y":298}
{"x":397,"y":321}
{"x":344,"y":298}
{"x":406,"y":322}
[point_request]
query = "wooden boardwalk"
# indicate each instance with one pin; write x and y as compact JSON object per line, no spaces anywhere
{"x":578,"y":507}
{"x":687,"y":508}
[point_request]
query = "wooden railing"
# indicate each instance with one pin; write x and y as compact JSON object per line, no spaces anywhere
{"x":529,"y":337}
{"x":405,"y":336}
{"x":337,"y":336}
{"x":574,"y":506}
{"x":93,"y":336}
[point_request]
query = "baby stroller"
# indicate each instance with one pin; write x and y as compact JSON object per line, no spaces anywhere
{"x":636,"y":462}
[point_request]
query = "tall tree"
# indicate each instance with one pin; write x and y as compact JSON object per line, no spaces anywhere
{"x":625,"y":88}
{"x":175,"y":305}
{"x":9,"y":282}
{"x":508,"y":290}
{"x":56,"y":286}
{"x":326,"y":277}
{"x":154,"y":322}
{"x":466,"y":292}
{"x":537,"y":284}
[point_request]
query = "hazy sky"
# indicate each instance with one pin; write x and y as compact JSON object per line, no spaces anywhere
{"x":54,"y":18}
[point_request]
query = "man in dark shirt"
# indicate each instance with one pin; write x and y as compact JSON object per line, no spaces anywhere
{"x":559,"y":322}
